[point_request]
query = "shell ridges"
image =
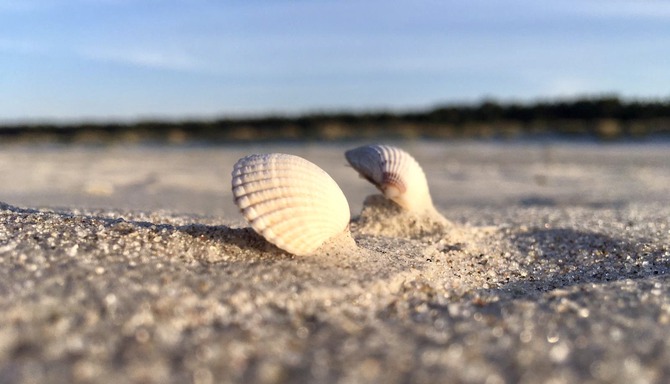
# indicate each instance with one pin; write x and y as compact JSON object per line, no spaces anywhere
{"x":289,"y":201}
{"x":395,"y":173}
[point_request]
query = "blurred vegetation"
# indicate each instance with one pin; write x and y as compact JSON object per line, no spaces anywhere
{"x":606,"y":118}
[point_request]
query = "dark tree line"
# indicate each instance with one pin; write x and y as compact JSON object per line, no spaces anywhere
{"x":581,"y":109}
{"x":604,"y":117}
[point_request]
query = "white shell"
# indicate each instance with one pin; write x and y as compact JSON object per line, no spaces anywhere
{"x":289,"y":201}
{"x":395,"y":173}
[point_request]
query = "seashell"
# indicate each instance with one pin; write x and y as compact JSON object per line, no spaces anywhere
{"x":395,"y":173}
{"x":289,"y":201}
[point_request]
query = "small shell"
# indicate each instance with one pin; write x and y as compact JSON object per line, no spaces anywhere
{"x":395,"y":173}
{"x":289,"y":201}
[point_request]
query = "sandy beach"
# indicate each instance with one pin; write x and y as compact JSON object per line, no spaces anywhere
{"x":132,"y":264}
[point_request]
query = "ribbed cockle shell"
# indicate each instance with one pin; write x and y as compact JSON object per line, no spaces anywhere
{"x":289,"y":201}
{"x":395,"y":173}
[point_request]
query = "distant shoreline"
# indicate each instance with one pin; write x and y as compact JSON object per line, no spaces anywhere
{"x":606,"y":118}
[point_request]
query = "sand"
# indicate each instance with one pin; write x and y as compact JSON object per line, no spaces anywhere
{"x":130,"y":264}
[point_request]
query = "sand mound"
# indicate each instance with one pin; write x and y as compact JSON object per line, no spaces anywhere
{"x":382,"y":217}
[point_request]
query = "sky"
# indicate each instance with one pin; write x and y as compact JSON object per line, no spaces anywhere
{"x":78,"y":60}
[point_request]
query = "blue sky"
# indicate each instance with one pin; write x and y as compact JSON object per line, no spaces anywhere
{"x":136,"y":59}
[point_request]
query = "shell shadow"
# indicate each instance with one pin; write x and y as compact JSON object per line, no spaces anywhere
{"x":543,"y":201}
{"x":245,"y":239}
{"x":561,"y":258}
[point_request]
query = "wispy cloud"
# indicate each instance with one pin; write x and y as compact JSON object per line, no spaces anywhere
{"x":138,"y":57}
{"x":148,"y":58}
